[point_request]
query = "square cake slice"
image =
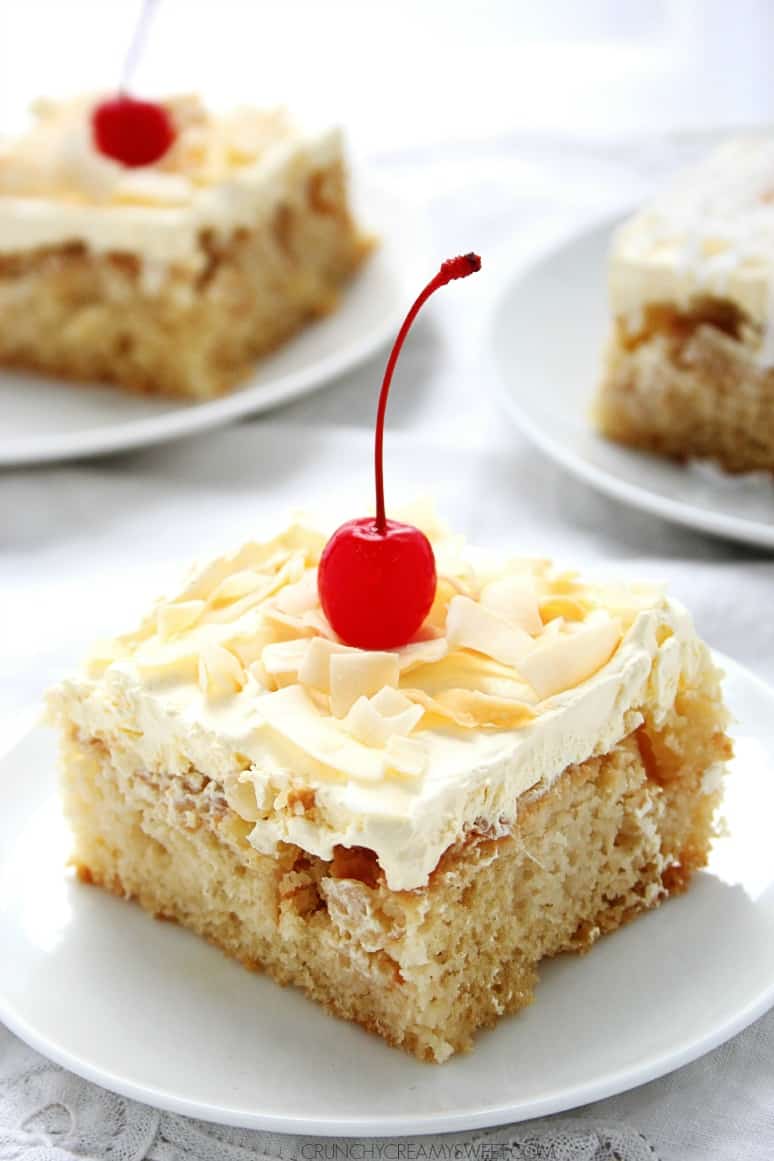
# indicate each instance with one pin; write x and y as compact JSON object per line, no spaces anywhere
{"x":170,"y":277}
{"x":690,"y":364}
{"x":404,"y":834}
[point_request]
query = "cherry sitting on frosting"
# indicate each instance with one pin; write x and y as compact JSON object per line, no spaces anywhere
{"x":376,"y":577}
{"x":131,"y":131}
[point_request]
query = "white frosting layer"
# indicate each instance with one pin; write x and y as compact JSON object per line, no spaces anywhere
{"x":206,"y":683}
{"x":222,"y":173}
{"x":711,"y":233}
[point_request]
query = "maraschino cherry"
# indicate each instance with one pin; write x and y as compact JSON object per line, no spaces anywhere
{"x":131,"y":131}
{"x":134,"y":132}
{"x":128,"y":130}
{"x":376,"y":577}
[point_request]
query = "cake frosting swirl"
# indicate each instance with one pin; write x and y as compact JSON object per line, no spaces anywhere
{"x":519,"y":671}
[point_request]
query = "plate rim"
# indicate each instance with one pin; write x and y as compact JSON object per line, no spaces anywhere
{"x":188,"y":418}
{"x":624,"y":1080}
{"x":675,"y":511}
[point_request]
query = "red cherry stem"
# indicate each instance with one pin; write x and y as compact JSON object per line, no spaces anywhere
{"x":453,"y":268}
{"x":137,"y":44}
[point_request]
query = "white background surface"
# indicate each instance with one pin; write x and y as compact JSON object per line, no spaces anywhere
{"x":82,"y":546}
{"x":410,"y":74}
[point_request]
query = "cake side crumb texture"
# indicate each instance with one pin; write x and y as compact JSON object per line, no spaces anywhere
{"x":425,"y":969}
{"x":686,"y":386}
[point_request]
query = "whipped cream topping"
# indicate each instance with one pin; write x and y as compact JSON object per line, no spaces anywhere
{"x":519,"y":671}
{"x":221,"y":173}
{"x":711,"y":233}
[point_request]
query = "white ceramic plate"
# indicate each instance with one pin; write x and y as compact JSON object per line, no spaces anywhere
{"x":44,"y":418}
{"x":150,"y":1011}
{"x":547,"y":333}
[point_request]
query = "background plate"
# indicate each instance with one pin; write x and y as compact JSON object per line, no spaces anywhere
{"x":153,"y":1012}
{"x":43,"y":418}
{"x":547,"y":333}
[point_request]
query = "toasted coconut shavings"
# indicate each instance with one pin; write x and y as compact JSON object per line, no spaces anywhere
{"x":476,"y":627}
{"x":357,"y":673}
{"x":569,"y":659}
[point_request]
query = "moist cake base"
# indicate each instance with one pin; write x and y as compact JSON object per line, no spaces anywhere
{"x":68,"y":312}
{"x":611,"y":837}
{"x":689,"y":387}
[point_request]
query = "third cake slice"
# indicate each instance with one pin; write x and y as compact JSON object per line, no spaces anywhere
{"x":690,"y":364}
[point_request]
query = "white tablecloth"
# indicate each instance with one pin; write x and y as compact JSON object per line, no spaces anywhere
{"x":83,"y":546}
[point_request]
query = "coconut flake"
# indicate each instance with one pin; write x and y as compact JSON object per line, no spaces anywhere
{"x":283,"y":659}
{"x":316,"y":620}
{"x":220,"y":673}
{"x":472,"y":710}
{"x":290,"y":621}
{"x":435,"y":708}
{"x":176,"y":618}
{"x":473,"y":626}
{"x":514,"y":598}
{"x":292,"y":714}
{"x":390,"y":701}
{"x":463,"y":669}
{"x":316,"y":667}
{"x":177,"y":662}
{"x":235,"y":586}
{"x":446,"y":588}
{"x":422,"y":653}
{"x":300,"y":597}
{"x":250,"y":641}
{"x":568,"y":659}
{"x":563,"y":607}
{"x":103,"y":654}
{"x":290,"y":572}
{"x":358,"y":673}
{"x":373,"y":721}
